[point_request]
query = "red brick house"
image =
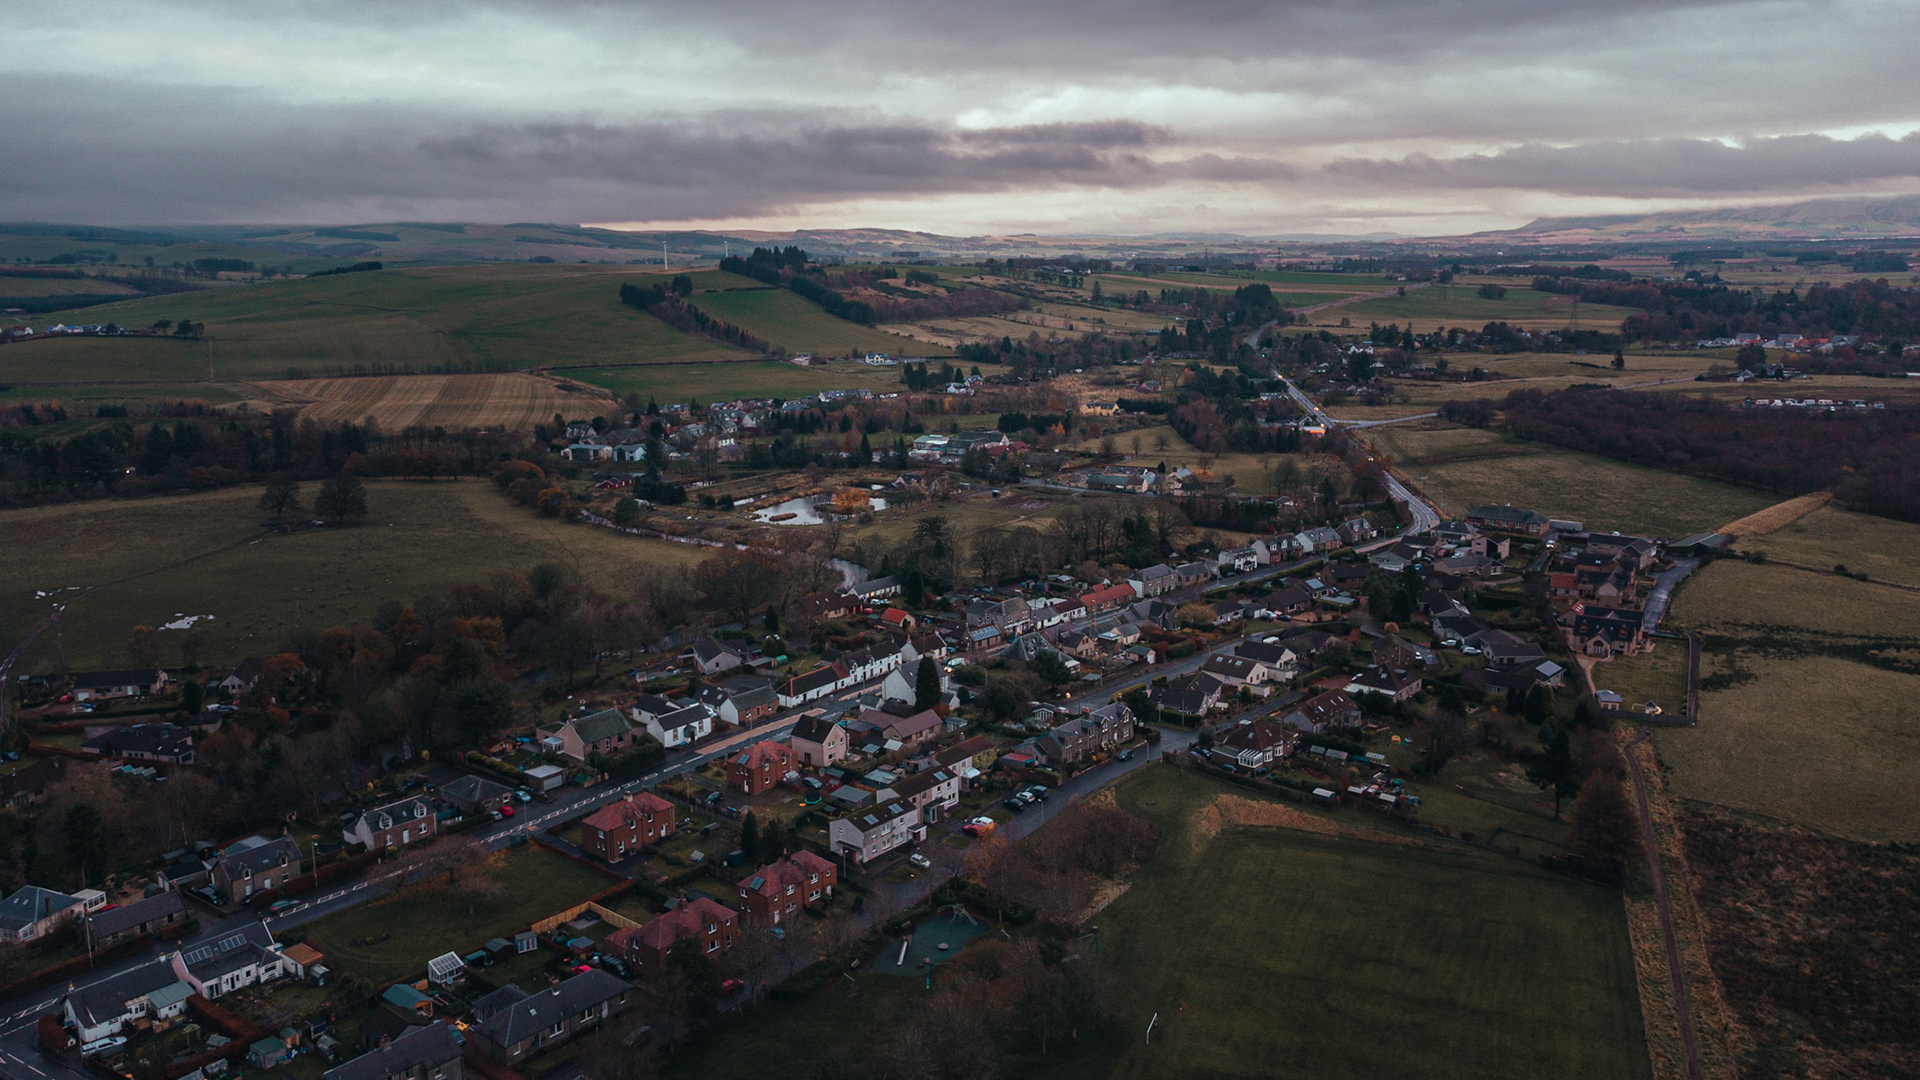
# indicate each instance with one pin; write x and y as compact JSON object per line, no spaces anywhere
{"x":713,"y":925}
{"x":778,"y":891}
{"x":760,"y":767}
{"x":621,"y":828}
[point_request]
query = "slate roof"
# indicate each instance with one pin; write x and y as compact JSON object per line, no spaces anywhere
{"x":534,"y":1013}
{"x":106,"y":1000}
{"x":387,"y":816}
{"x":605,"y":724}
{"x":159,"y":740}
{"x":127,"y":916}
{"x":31,"y":904}
{"x":747,"y":692}
{"x":433,"y":1044}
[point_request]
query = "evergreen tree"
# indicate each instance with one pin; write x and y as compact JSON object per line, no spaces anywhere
{"x":1553,"y":769}
{"x":750,"y":837}
{"x":926,"y":684}
{"x":1605,"y":827}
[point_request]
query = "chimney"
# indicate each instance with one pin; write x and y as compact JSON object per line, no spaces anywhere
{"x":386,"y":1041}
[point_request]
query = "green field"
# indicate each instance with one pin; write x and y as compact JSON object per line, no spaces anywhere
{"x":1459,"y":305}
{"x":205,"y":554}
{"x":1596,"y":491}
{"x":798,"y":325}
{"x":1884,"y":549}
{"x":717,"y":382}
{"x":1813,"y":722}
{"x":1276,"y":953}
{"x":426,"y":921}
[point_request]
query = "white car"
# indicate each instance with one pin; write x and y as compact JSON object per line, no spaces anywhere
{"x":1470,"y":650}
{"x":920,"y":861}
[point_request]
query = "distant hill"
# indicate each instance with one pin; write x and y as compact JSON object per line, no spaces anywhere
{"x":1814,"y":219}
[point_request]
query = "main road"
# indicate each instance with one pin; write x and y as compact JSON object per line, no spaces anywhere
{"x":1424,"y":517}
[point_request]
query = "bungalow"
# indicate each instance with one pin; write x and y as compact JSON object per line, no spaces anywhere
{"x":778,"y":891}
{"x":395,"y":824}
{"x":247,"y":956}
{"x":1192,"y":696}
{"x":875,"y":589}
{"x":32,"y":913}
{"x":672,"y":724}
{"x":475,"y":794}
{"x":709,"y":922}
{"x":812,"y":686}
{"x":1399,"y":684}
{"x":108,"y":685}
{"x":1395,"y":559}
{"x":243,"y":676}
{"x":1253,"y":745}
{"x":1563,"y":585}
{"x":909,"y":730}
{"x":1228,"y":611}
{"x":1509,"y":519}
{"x":868,"y":834}
{"x":432,"y":1052}
{"x":255,"y":864}
{"x":1310,"y":644}
{"x":605,"y":732}
{"x":1332,"y":709}
{"x":1396,"y":652}
{"x":1238,"y":673}
{"x":136,"y":919}
{"x":144,"y":742}
{"x":821,"y":607}
{"x":1284,"y":603}
{"x":761,"y":767}
{"x":149,"y":992}
{"x":620,"y":828}
{"x":819,"y":742}
{"x":1279,"y":662}
{"x":712,"y":656}
{"x":511,"y":1024}
{"x":1188,"y":575}
{"x":1102,"y":730}
{"x":1106,"y":597}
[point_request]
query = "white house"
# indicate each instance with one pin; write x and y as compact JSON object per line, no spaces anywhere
{"x":152,"y":991}
{"x":868,"y":834}
{"x":676,"y":726}
{"x":247,"y":956}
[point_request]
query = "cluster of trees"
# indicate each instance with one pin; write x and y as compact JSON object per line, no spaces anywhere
{"x":207,"y":450}
{"x":1681,"y":310}
{"x":1868,"y":461}
{"x":854,"y":311}
{"x":355,"y":268}
{"x":767,"y":264}
{"x":668,"y":304}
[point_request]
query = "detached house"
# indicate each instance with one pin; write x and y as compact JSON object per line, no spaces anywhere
{"x":743,"y":701}
{"x":1399,"y":684}
{"x":674,"y":724}
{"x":108,"y":685}
{"x":781,"y":889}
{"x":1253,"y":745}
{"x":396,"y":824}
{"x":819,"y":742}
{"x":164,"y":743}
{"x":605,"y":732}
{"x":1508,"y":519}
{"x":711,"y":656}
{"x":761,"y":767}
{"x":256,"y":864}
{"x":635,"y":821}
{"x":33,"y":912}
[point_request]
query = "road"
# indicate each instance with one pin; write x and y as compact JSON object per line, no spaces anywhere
{"x":1663,"y":585}
{"x":1424,"y":517}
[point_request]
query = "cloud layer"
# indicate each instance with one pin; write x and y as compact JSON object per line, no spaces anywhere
{"x":1252,"y":117}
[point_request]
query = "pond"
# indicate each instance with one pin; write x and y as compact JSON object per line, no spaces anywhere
{"x":806,"y":510}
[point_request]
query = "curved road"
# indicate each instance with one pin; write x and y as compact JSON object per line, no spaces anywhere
{"x":1424,"y":517}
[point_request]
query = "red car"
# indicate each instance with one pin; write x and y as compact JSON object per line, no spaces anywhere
{"x":506,"y":810}
{"x":731,"y":987}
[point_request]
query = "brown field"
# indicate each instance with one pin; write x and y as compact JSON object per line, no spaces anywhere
{"x":1805,"y":709}
{"x":1777,"y":516}
{"x":512,"y":402}
{"x":1883,"y":549}
{"x":91,"y":286}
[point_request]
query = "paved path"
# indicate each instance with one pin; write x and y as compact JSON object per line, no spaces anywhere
{"x":1674,"y":970}
{"x":1663,"y":585}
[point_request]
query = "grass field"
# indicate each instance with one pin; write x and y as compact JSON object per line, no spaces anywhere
{"x":798,"y":325}
{"x":508,"y":402}
{"x":1459,"y":305}
{"x":1884,"y":549}
{"x":1813,"y":722}
{"x":723,"y":382}
{"x":1599,"y":492}
{"x":1546,"y":372}
{"x":205,"y":554}
{"x":426,"y":921}
{"x":1252,"y":473}
{"x":1275,"y":953}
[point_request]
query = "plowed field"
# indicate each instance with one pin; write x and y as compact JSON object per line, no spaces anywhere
{"x":512,"y":402}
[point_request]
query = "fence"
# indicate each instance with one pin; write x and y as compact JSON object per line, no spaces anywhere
{"x":567,"y":915}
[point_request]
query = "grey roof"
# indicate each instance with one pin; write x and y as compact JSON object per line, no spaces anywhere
{"x":31,"y":904}
{"x":534,"y":1013}
{"x":605,"y":724}
{"x":161,"y":740}
{"x":106,"y":1000}
{"x":385,"y":817}
{"x":813,"y":728}
{"x":475,"y":789}
{"x":88,"y":680}
{"x":129,"y":916}
{"x":434,"y":1044}
{"x":747,"y":692}
{"x":250,"y":944}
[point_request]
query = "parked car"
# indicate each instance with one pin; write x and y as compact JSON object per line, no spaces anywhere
{"x":507,"y":810}
{"x":920,"y":861}
{"x":523,"y":795}
{"x":1125,"y":755}
{"x":979,"y":826}
{"x":498,"y":816}
{"x":731,"y":987}
{"x":1016,"y":802}
{"x":1037,"y":793}
{"x":281,"y":907}
{"x":617,"y":966}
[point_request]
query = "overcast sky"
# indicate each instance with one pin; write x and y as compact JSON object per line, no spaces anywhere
{"x":1419,"y":117}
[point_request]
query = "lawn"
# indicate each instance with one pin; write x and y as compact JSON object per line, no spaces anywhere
{"x":205,"y":554}
{"x":1659,"y":676}
{"x":1276,"y":953}
{"x":1884,"y":549}
{"x":396,"y":937}
{"x":1806,"y":710}
{"x":798,"y":325}
{"x":1599,"y":492}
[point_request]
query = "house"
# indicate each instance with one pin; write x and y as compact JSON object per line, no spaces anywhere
{"x":1563,"y":585}
{"x":819,"y":742}
{"x":255,"y":864}
{"x":876,"y":589}
{"x":1106,"y":597}
{"x":431,"y":1052}
{"x":135,"y":919}
{"x":1253,"y":745}
{"x":626,"y":825}
{"x":761,"y":767}
{"x":780,"y":890}
{"x":475,"y":794}
{"x":930,"y":791}
{"x":605,"y":732}
{"x":1279,"y":661}
{"x":1238,"y":673}
{"x":895,"y":619}
{"x":1228,"y":611}
{"x":966,"y":759}
{"x":712,"y":656}
{"x":1396,"y":652}
{"x":510,"y":1024}
{"x":1310,"y":644}
{"x":1237,"y":560}
{"x":395,"y":824}
{"x":108,"y":685}
{"x":32,"y":913}
{"x":1317,"y":541}
{"x":144,"y":742}
{"x":1155,"y":579}
{"x":1399,"y":684}
{"x":812,"y":686}
{"x":821,"y":607}
{"x":1284,"y":603}
{"x":1356,"y":530}
{"x":1099,"y":408}
{"x":870,"y":833}
{"x":150,"y":991}
{"x":1010,"y":615}
{"x":1192,"y":696}
{"x":243,"y":676}
{"x":910,"y":730}
{"x":1508,"y":519}
{"x":1333,"y":709}
{"x":1079,"y":644}
{"x":868,"y":664}
{"x":742,"y":701}
{"x":1100,"y":731}
{"x":245,"y":957}
{"x":714,"y":925}
{"x":674,"y":724}
{"x":28,"y":784}
{"x":1598,"y":631}
{"x":1493,"y":547}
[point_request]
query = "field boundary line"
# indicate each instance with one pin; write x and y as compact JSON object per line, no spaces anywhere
{"x":1674,"y":971}
{"x":1805,"y":569}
